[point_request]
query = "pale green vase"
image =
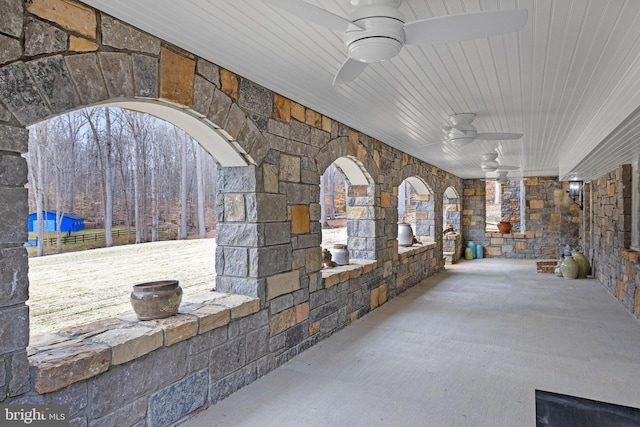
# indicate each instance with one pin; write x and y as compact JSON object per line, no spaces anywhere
{"x":583,"y":264}
{"x":569,"y":268}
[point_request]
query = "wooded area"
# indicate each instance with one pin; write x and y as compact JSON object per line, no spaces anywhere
{"x":119,"y":167}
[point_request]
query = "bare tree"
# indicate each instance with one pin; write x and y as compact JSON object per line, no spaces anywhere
{"x":202,"y":232}
{"x":183,"y":185}
{"x":35,"y":159}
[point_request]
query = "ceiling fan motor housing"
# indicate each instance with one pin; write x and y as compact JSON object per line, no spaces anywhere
{"x":382,"y":37}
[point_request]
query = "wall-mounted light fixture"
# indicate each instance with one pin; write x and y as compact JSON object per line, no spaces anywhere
{"x":575,"y":192}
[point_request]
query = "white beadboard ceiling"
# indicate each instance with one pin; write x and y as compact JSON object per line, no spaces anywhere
{"x":569,"y":81}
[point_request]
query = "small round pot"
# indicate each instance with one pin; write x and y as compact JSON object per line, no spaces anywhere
{"x":156,"y":300}
{"x":504,"y":227}
{"x":340,"y":254}
{"x":405,"y":234}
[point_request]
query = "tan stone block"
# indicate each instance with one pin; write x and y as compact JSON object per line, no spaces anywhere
{"x":289,"y":168}
{"x":469,"y":192}
{"x":130,"y":343}
{"x":611,"y":189}
{"x":358,"y":212}
{"x":176,"y":77}
{"x":531,"y":181}
{"x":493,"y":251}
{"x":176,"y":328}
{"x":331,"y":280}
{"x":424,"y":197}
{"x":621,"y":288}
{"x":376,"y":160}
{"x":282,"y":321}
{"x":79,"y":44}
{"x":240,"y":305}
{"x":467,"y":212}
{"x":77,"y":361}
{"x":298,"y":111}
{"x":97,"y":327}
{"x":536,"y":204}
{"x":522,"y":246}
{"x":211,"y":316}
{"x":382,"y":294}
{"x":497,"y":241}
{"x":234,"y":207}
{"x":326,"y":124}
{"x":374,"y":298}
{"x":313,"y":118}
{"x":574,"y":208}
{"x":70,"y":15}
{"x":466,"y":221}
{"x":229,"y":83}
{"x":314,"y":328}
{"x":300,"y":221}
{"x":314,"y":259}
{"x":281,"y":108}
{"x":270,"y":178}
{"x":284,"y":283}
{"x":353,"y":316}
{"x":353,"y":143}
{"x":301,"y":312}
{"x":385,"y":199}
{"x":535,"y":216}
{"x":344,"y":275}
{"x":355,"y":273}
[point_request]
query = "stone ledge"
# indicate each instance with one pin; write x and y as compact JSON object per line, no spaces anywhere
{"x":340,"y":274}
{"x":81,"y":352}
{"x":407,"y":251}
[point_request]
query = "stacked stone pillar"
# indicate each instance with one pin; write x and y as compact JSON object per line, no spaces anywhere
{"x":253,"y":232}
{"x":361,"y":222}
{"x":14,"y":313}
{"x":426,"y":217}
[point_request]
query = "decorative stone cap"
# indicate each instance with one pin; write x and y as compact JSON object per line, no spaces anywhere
{"x":75,"y":354}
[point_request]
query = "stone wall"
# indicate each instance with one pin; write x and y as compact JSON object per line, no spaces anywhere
{"x":615,"y":266}
{"x":57,"y":56}
{"x":552,"y":221}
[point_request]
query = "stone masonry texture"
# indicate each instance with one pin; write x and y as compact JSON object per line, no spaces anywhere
{"x":60,"y":55}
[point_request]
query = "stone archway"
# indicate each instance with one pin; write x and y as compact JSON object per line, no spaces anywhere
{"x":425,"y":202}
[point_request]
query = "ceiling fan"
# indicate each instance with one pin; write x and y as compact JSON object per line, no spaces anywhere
{"x":462,"y":132}
{"x":377,"y":31}
{"x":502,"y":178}
{"x":490,"y":164}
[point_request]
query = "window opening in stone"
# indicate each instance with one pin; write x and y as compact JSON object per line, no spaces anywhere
{"x":333,"y":207}
{"x":416,"y":207}
{"x":493,"y":205}
{"x":358,"y":232}
{"x":451,"y":211}
{"x":107,"y":178}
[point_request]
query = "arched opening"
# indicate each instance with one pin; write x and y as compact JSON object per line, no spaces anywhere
{"x":451,"y":214}
{"x":416,"y":206}
{"x":359,"y":233}
{"x":132,"y":178}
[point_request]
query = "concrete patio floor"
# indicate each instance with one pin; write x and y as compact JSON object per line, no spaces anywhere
{"x":467,"y":347}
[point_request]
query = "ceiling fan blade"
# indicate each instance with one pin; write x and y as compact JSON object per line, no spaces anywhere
{"x":315,"y":14}
{"x":464,"y":26}
{"x":349,"y":70}
{"x":498,"y":136}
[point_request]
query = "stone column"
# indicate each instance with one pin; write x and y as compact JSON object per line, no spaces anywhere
{"x":253,"y":232}
{"x":361,"y":222}
{"x":425,"y":217}
{"x":14,"y":283}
